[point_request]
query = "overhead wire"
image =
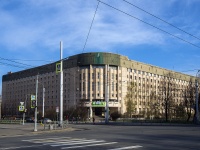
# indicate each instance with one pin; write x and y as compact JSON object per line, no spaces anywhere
{"x":160,"y":19}
{"x":18,"y":66}
{"x":149,"y":24}
{"x":90,"y":28}
{"x":12,"y":65}
{"x":16,"y":62}
{"x":33,"y":60}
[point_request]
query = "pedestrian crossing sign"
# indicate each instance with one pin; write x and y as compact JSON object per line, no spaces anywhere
{"x":58,"y":67}
{"x":32,"y":97}
{"x":21,"y":108}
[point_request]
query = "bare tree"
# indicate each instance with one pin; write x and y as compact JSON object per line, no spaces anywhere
{"x":167,"y":92}
{"x":78,"y":112}
{"x":130,"y":102}
{"x":189,"y":99}
{"x":154,"y":105}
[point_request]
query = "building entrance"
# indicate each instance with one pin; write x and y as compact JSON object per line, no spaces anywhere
{"x":98,"y":111}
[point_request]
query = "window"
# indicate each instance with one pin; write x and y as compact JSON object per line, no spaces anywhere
{"x":98,"y":86}
{"x":143,"y":72}
{"x":92,"y":86}
{"x":92,"y":75}
{"x":88,"y":86}
{"x":83,"y":86}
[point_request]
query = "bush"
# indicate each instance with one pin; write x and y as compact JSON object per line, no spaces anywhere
{"x":115,"y":115}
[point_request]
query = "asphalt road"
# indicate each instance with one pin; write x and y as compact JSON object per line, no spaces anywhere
{"x":110,"y":137}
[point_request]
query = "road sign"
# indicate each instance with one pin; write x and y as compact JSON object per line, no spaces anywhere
{"x":57,"y":109}
{"x":33,"y":97}
{"x":21,"y":108}
{"x":58,"y":67}
{"x":21,"y":103}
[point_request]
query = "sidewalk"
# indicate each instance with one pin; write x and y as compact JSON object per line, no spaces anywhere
{"x":12,"y":130}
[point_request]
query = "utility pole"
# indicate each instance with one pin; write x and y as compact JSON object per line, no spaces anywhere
{"x":61,"y":83}
{"x":43,"y":99}
{"x":35,"y":127}
{"x":24,"y":111}
{"x":107,"y":94}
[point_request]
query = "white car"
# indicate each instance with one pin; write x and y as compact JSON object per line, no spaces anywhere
{"x":46,"y":120}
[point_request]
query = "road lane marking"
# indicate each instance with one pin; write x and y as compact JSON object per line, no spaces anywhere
{"x":77,"y":143}
{"x":8,"y":148}
{"x":88,"y":145}
{"x":46,"y":139}
{"x":130,"y":147}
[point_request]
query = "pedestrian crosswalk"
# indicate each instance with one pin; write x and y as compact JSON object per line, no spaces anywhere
{"x":69,"y":143}
{"x":74,"y":143}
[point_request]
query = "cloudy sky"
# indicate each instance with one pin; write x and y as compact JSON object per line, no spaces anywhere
{"x":30,"y":31}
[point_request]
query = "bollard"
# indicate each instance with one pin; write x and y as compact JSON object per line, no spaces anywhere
{"x":50,"y":127}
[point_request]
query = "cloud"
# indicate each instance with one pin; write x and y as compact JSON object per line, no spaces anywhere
{"x":44,"y":24}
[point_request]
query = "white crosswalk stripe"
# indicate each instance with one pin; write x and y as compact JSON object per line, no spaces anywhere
{"x":69,"y":143}
{"x":129,"y":147}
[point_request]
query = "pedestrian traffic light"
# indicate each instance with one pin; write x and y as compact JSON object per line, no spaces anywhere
{"x":33,"y":103}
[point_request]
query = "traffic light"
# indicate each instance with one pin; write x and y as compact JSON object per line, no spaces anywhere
{"x":33,"y":101}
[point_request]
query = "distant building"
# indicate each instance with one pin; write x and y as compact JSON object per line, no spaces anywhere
{"x":85,"y":81}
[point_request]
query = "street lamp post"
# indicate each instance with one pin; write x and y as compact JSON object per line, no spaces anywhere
{"x":35,"y":125}
{"x":61,"y":84}
{"x":107,"y":95}
{"x":24,"y":109}
{"x":43,"y":98}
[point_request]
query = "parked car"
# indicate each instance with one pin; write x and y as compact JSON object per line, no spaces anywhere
{"x":46,"y":121}
{"x":29,"y":119}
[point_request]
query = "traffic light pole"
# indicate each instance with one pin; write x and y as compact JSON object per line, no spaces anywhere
{"x":61,"y":84}
{"x":43,"y":99}
{"x":35,"y":126}
{"x":107,"y":95}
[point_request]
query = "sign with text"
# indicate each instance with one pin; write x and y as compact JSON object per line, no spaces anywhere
{"x":98,"y":104}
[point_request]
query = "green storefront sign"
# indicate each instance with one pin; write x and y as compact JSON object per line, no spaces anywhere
{"x":98,"y":104}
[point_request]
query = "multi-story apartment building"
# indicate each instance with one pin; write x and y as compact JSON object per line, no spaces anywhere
{"x":89,"y":78}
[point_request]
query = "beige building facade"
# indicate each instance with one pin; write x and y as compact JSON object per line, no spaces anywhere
{"x":88,"y":79}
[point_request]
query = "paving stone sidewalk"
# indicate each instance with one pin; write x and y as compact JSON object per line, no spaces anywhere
{"x":12,"y":130}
